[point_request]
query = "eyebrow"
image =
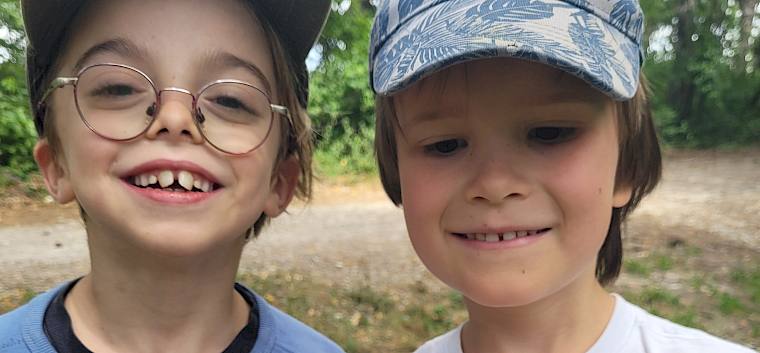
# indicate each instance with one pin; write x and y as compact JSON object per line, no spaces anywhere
{"x":120,"y":46}
{"x":229,"y":60}
{"x":128,"y":48}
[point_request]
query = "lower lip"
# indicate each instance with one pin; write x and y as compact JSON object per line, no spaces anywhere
{"x":171,"y":197}
{"x":504,"y":244}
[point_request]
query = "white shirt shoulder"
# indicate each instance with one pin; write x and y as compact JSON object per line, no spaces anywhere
{"x":630,"y":330}
{"x":449,"y":342}
{"x":633,"y":330}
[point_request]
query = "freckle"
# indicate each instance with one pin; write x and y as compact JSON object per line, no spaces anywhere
{"x":524,"y":272}
{"x":600,"y":191}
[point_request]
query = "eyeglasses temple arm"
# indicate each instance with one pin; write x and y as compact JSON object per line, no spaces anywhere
{"x":57,"y":83}
{"x":282,"y":111}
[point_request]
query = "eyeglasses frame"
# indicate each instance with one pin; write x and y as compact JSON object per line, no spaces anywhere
{"x":63,"y":81}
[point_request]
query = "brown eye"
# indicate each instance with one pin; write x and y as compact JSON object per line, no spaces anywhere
{"x":551,"y":135}
{"x":446,"y":147}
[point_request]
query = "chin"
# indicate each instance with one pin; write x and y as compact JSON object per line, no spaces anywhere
{"x":502,"y":293}
{"x":177,"y":242}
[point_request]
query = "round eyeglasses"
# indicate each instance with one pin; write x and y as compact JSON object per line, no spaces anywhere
{"x":119,"y":103}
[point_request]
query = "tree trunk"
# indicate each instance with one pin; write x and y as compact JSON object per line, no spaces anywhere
{"x":748,"y":14}
{"x":681,"y":94}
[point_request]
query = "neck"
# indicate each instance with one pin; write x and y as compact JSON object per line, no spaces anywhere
{"x":135,"y":301}
{"x":568,"y":321}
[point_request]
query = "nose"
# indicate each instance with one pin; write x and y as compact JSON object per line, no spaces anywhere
{"x":174,"y":119}
{"x":498,"y":177}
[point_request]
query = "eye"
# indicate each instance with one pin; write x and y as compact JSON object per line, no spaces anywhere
{"x":552,"y":134}
{"x":228,"y":102}
{"x":446,"y":147}
{"x":115,"y":90}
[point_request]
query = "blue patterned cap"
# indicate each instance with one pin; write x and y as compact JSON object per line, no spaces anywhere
{"x":597,"y":40}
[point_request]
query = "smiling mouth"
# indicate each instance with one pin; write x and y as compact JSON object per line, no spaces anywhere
{"x":497,"y":237}
{"x":173,"y":181}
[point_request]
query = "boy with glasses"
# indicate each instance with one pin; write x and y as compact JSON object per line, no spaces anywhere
{"x":179,"y":127}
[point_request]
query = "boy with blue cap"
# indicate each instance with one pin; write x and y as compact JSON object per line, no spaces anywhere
{"x":518,"y":137}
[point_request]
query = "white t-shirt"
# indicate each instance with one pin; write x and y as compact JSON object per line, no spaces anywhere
{"x":630,"y":330}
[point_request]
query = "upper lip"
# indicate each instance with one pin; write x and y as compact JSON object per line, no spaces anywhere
{"x":164,"y":164}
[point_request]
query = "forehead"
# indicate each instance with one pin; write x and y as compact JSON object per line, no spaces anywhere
{"x":513,"y":84}
{"x":171,"y":36}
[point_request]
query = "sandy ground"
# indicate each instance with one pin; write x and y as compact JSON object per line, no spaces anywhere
{"x":353,"y":234}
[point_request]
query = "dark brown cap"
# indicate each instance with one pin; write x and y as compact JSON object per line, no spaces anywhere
{"x":297,"y":23}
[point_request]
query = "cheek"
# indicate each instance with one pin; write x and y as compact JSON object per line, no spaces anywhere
{"x":584,"y":185}
{"x":423,"y":194}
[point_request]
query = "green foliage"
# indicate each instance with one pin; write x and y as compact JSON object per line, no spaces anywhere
{"x":341,"y":103}
{"x":17,"y":134}
{"x":346,"y":153}
{"x":706,"y":85}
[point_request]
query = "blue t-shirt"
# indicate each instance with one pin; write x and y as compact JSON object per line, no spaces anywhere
{"x":21,"y":330}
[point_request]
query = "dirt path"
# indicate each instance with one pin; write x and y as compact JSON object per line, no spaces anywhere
{"x":349,"y":234}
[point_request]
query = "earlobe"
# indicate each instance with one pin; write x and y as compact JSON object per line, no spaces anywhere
{"x":56,"y":179}
{"x":283,"y":187}
{"x":622,"y":196}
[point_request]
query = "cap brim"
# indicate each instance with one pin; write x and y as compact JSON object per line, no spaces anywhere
{"x":298,"y":22}
{"x":550,"y":32}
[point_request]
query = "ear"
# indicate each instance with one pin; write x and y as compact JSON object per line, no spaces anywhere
{"x":56,"y":179}
{"x":283,"y":187}
{"x":621,"y":196}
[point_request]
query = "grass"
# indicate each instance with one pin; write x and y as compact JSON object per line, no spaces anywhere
{"x":637,"y":267}
{"x":15,"y":298}
{"x":361,"y":318}
{"x":726,"y":304}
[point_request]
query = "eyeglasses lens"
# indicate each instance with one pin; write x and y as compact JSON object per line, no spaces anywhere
{"x":119,"y":103}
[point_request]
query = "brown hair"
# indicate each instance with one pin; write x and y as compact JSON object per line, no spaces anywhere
{"x":296,"y":136}
{"x":639,"y":166}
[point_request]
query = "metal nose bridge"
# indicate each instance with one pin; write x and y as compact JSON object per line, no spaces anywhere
{"x":159,"y":100}
{"x":177,"y":89}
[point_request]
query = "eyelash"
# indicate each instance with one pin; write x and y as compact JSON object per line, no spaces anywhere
{"x":551,"y":135}
{"x":445,"y":147}
{"x":547,"y":135}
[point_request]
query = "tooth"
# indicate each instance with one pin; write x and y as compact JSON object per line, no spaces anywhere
{"x":144,"y":180}
{"x":470,"y":236}
{"x":165,"y":178}
{"x":205,"y":186}
{"x":522,"y":233}
{"x":185,"y":180}
{"x":492,"y":238}
{"x":510,"y":235}
{"x":197,"y":183}
{"x":152,"y":179}
{"x":480,"y":236}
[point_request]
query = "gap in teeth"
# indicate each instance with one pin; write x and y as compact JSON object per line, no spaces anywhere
{"x":496,"y":237}
{"x":173,"y":181}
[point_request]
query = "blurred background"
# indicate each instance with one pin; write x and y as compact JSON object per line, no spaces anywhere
{"x":692,"y":249}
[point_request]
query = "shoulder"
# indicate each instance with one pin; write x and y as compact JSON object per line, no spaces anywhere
{"x":21,"y":329}
{"x":449,"y":342}
{"x":653,"y":334}
{"x":281,"y":333}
